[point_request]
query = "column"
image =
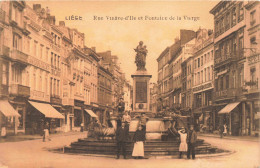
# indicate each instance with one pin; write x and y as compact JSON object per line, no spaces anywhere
{"x":251,"y":117}
{"x":243,"y":118}
{"x":230,"y":123}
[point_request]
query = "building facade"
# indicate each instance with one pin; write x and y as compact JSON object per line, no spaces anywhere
{"x":203,"y":69}
{"x":229,"y":60}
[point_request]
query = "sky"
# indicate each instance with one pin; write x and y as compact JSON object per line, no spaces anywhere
{"x":122,"y":36}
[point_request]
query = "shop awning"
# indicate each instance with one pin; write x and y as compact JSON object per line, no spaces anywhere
{"x":47,"y":110}
{"x":7,"y":109}
{"x":91,"y":113}
{"x":228,"y":108}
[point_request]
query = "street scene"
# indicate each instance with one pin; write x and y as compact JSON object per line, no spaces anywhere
{"x":129,"y":84}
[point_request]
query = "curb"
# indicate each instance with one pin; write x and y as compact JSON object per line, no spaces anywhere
{"x":230,"y":138}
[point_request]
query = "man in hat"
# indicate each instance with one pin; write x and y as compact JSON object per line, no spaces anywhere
{"x":121,"y":139}
{"x":191,"y":139}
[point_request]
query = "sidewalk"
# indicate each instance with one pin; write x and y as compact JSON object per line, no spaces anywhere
{"x":22,"y":137}
{"x":241,"y":138}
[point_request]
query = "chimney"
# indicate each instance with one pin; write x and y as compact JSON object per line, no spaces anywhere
{"x":62,"y":23}
{"x":93,"y":48}
{"x":36,"y":7}
{"x":51,"y":19}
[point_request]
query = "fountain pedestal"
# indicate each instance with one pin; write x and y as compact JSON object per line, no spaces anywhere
{"x":141,"y":91}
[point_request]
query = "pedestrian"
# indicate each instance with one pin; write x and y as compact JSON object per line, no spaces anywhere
{"x":225,"y":129}
{"x":81,"y":127}
{"x":143,"y":121}
{"x":3,"y":132}
{"x":139,"y":139}
{"x":121,"y":107}
{"x":183,"y":141}
{"x":126,"y":119}
{"x":192,"y":139}
{"x":121,"y":138}
{"x":46,"y":134}
{"x":221,"y":130}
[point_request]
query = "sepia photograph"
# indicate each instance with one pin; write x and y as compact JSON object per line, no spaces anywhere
{"x":129,"y":84}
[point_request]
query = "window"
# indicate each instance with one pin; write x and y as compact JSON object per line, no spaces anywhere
{"x":4,"y":74}
{"x":46,"y":84}
{"x":58,"y":87}
{"x":201,"y":76}
{"x":205,"y":74}
{"x":198,"y":62}
{"x":54,"y":87}
{"x":227,"y":26}
{"x":58,"y":61}
{"x":252,"y":17}
{"x":241,"y":12}
{"x":221,"y":83}
{"x":201,"y":60}
{"x":40,"y":81}
{"x":54,"y":63}
{"x":241,"y":46}
{"x":234,"y":43}
{"x":28,"y":45}
{"x":34,"y":81}
{"x":52,"y":58}
{"x":41,"y":51}
{"x":51,"y":86}
{"x":17,"y":42}
{"x":208,"y":71}
{"x":227,"y":82}
{"x":35,"y":48}
{"x":234,"y":15}
{"x":198,"y":78}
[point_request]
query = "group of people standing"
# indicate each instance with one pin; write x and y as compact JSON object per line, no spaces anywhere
{"x":188,"y":141}
{"x":122,"y":136}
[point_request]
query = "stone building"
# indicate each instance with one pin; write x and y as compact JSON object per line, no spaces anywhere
{"x":169,"y":70}
{"x":252,"y":67}
{"x":15,"y":89}
{"x":203,"y":78}
{"x":229,"y":65}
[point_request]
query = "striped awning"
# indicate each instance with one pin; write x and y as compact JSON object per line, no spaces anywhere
{"x":228,"y":108}
{"x":7,"y":109}
{"x":47,"y":110}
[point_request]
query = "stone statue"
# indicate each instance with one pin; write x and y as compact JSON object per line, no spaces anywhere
{"x":140,"y":58}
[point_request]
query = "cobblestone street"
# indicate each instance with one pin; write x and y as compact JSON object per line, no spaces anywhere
{"x":34,"y":153}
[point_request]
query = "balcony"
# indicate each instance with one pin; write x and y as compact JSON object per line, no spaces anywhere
{"x":20,"y":90}
{"x":225,"y":59}
{"x":67,"y":101}
{"x":19,"y":56}
{"x":77,"y":96}
{"x":229,"y":93}
{"x":39,"y":95}
{"x":5,"y":51}
{"x":55,"y":99}
{"x":4,"y":90}
{"x":254,"y":58}
{"x":2,"y":16}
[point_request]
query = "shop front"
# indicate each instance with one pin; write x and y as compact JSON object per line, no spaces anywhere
{"x":230,"y":115}
{"x":42,"y":115}
{"x":8,"y":119}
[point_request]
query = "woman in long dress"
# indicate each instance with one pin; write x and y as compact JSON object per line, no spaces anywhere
{"x":183,"y":145}
{"x":139,"y":138}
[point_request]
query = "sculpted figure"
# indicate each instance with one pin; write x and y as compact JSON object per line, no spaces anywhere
{"x":140,"y":58}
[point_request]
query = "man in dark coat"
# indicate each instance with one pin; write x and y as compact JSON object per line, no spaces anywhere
{"x":121,"y":138}
{"x":191,"y":140}
{"x":121,"y":107}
